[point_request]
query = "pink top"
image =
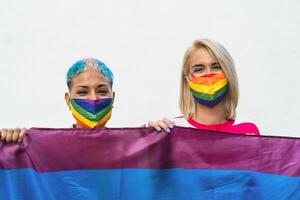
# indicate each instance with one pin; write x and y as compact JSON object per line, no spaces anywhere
{"x":229,"y":126}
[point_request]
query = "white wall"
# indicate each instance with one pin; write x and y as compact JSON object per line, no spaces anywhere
{"x":143,"y":42}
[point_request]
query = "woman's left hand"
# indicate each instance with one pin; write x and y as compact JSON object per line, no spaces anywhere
{"x":164,"y":124}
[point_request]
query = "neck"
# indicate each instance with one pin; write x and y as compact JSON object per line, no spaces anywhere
{"x":208,"y":116}
{"x":77,"y":125}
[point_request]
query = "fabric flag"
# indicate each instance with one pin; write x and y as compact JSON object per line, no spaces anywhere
{"x":139,"y":163}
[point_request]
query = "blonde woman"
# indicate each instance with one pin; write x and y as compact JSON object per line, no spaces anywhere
{"x":209,"y":91}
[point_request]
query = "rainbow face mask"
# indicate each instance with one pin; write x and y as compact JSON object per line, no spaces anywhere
{"x":210,"y":89}
{"x":92,"y":113}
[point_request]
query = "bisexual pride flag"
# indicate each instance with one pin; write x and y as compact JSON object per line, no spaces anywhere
{"x":139,"y":163}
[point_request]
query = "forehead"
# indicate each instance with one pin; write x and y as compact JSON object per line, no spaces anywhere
{"x":201,"y":56}
{"x":90,"y":78}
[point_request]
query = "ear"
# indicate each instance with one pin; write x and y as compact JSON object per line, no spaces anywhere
{"x":113,"y":97}
{"x":186,"y":78}
{"x":68,"y":99}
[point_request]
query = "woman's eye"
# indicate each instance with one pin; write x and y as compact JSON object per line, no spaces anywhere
{"x":216,"y":67}
{"x":102,"y":92}
{"x":198,"y":69}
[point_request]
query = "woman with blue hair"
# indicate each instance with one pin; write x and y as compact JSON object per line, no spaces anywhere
{"x":90,"y":97}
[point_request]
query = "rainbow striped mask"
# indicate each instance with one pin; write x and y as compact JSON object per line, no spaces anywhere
{"x":92,"y":113}
{"x":210,"y":89}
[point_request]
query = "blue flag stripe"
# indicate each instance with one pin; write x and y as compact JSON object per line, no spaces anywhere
{"x":147,"y":184}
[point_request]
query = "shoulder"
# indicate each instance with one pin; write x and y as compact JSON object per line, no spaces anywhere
{"x":247,"y":128}
{"x":181,"y":121}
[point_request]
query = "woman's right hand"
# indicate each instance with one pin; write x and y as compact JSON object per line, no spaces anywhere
{"x":9,"y":135}
{"x":164,"y":124}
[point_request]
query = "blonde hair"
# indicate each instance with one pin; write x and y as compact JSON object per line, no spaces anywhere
{"x":187,"y":102}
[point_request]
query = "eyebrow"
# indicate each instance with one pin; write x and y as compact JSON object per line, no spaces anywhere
{"x":215,"y":63}
{"x":82,"y":86}
{"x":202,"y":65}
{"x":198,"y":65}
{"x":101,"y":85}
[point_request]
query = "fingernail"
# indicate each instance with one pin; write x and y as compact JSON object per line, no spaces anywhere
{"x":171,"y":126}
{"x":168,"y":130}
{"x":159,"y":129}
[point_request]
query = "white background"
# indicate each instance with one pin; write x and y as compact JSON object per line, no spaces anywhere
{"x":143,"y":42}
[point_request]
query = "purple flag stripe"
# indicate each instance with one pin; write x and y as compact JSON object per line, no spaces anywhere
{"x":115,"y":148}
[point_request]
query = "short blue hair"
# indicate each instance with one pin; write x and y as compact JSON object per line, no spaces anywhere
{"x":86,"y":64}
